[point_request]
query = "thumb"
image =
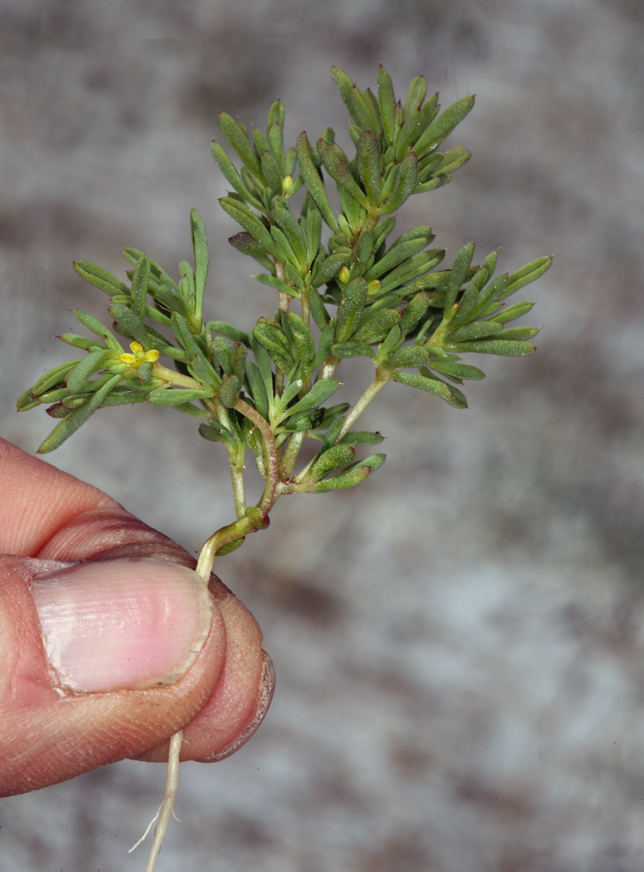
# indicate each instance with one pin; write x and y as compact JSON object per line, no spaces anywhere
{"x":99,"y":662}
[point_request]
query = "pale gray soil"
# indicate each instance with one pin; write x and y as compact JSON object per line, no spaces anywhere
{"x":460,"y":642}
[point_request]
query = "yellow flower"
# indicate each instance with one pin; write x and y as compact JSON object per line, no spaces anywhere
{"x":139,"y":356}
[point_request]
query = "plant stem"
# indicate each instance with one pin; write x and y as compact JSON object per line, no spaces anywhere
{"x":329,"y":367}
{"x":283,"y":301}
{"x":291,"y":454}
{"x":306,"y":305}
{"x":239,"y":490}
{"x":176,"y":378}
{"x":272,"y":458}
{"x":374,"y":388}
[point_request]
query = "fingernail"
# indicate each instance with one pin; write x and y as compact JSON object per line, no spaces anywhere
{"x":264,"y":699}
{"x":121,"y":624}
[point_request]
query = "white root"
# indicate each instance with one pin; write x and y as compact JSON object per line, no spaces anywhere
{"x":204,"y":567}
{"x":145,"y":834}
{"x":167,"y":805}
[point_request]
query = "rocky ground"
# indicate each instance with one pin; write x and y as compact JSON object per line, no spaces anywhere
{"x":458,"y":641}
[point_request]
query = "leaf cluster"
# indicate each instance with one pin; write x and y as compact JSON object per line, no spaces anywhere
{"x":360,"y":290}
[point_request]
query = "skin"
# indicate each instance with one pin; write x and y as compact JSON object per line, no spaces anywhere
{"x":46,"y":737}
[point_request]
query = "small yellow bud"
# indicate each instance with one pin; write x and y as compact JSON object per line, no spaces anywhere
{"x":287,"y":184}
{"x":344,"y":275}
{"x":373,"y":287}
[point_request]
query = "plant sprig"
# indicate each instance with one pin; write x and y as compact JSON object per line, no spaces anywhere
{"x":346,"y":287}
{"x":359,"y":293}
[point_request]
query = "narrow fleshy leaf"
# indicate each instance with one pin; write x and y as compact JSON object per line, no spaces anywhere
{"x":319,"y":394}
{"x":77,"y":418}
{"x":433,"y":386}
{"x":313,"y":182}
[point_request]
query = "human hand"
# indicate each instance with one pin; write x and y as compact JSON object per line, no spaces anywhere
{"x":109,"y":641}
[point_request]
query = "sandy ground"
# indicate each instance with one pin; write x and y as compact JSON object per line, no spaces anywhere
{"x":458,"y":641}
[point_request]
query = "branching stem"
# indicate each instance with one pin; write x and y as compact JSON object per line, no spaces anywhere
{"x":374,"y":388}
{"x":272,"y":458}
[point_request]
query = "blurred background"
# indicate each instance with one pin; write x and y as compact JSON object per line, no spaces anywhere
{"x":459,"y":642}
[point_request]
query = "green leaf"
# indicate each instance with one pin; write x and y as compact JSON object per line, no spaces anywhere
{"x":387,"y":102}
{"x":457,"y":275}
{"x":129,"y":325}
{"x":200,"y":248}
{"x":275,"y":283}
{"x":229,"y":391}
{"x":440,"y":129}
{"x":216,"y":432}
{"x":257,"y":388}
{"x":377,"y":327}
{"x":268,"y":332}
{"x":414,"y":313}
{"x":528,"y":273}
{"x":519,"y":333}
{"x":303,"y":421}
{"x":329,"y":460}
{"x":452,"y":161}
{"x":319,"y":394}
{"x":318,"y":310}
{"x":408,"y":355}
{"x":415,"y":123}
{"x":133,"y":255}
{"x":336,"y":165}
{"x":368,"y":161}
{"x":176,"y":396}
{"x":411,"y":270}
{"x":275,"y":132}
{"x":93,"y":324}
{"x":392,"y":340}
{"x":433,"y":386}
{"x":228,"y":330}
{"x":324,"y":345}
{"x":232,"y":176}
{"x":140,"y":282}
{"x":361,"y":437}
{"x":237,"y":136}
{"x":372,"y":463}
{"x":416,"y":94}
{"x":458,"y":370}
{"x":398,"y":254}
{"x":304,"y":342}
{"x":349,"y":311}
{"x":477,"y":330}
{"x":172,"y":300}
{"x":406,"y":181}
{"x":345,"y":350}
{"x":77,"y":418}
{"x":94,"y":361}
{"x":251,"y":223}
{"x":100,"y":278}
{"x":263,"y":365}
{"x":290,"y":226}
{"x":313,"y":182}
{"x":52,"y":378}
{"x":326,"y":269}
{"x":80,"y":342}
{"x":220,"y":351}
{"x":330,"y":437}
{"x":344,"y":86}
{"x":510,"y":314}
{"x":502,"y":347}
{"x":343,"y":481}
{"x":229,"y":547}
